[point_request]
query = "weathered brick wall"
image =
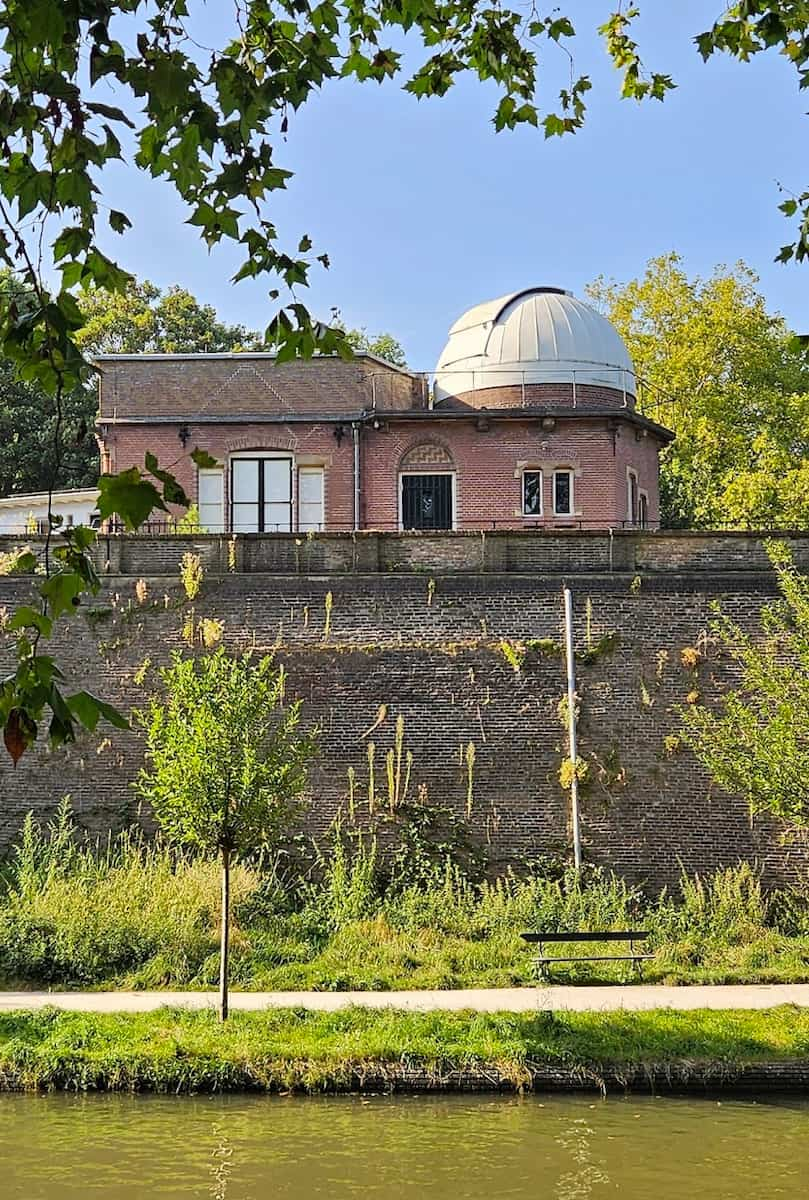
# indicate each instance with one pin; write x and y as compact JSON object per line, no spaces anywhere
{"x":183,"y":387}
{"x":426,"y":643}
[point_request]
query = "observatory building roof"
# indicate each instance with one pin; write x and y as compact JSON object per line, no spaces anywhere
{"x":539,"y":335}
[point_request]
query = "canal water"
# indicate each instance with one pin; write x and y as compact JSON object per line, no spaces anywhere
{"x":545,"y":1148}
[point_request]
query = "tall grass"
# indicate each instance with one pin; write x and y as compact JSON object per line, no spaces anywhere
{"x":77,"y":915}
{"x":129,"y":912}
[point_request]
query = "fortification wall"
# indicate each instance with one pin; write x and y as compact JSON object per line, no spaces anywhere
{"x":416,"y":624}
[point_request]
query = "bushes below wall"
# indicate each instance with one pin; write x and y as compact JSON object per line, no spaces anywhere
{"x":135,"y":916}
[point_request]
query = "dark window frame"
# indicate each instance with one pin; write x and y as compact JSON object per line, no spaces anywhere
{"x":526,"y":512}
{"x":570,"y":511}
{"x":451,"y":476}
{"x":259,"y":461}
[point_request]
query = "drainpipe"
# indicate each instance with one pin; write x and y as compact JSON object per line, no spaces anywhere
{"x":355,"y":437}
{"x":570,"y":663}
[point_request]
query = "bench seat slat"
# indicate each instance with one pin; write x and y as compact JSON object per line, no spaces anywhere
{"x":595,"y":958}
{"x":609,"y":935}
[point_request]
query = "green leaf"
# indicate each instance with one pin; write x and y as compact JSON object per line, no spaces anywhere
{"x":89,"y":710}
{"x":62,"y":729}
{"x":62,"y":591}
{"x":129,"y":496}
{"x":23,"y":563}
{"x":26,"y":617}
{"x":119,"y":221}
{"x":173,"y":491}
{"x":109,"y":111}
{"x":204,"y":460}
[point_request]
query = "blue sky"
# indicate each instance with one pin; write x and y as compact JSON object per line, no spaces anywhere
{"x":425,"y":211}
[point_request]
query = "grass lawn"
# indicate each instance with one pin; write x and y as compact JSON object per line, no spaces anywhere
{"x":178,"y":1051}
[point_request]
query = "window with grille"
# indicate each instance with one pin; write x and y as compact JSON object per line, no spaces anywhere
{"x":427,"y":501}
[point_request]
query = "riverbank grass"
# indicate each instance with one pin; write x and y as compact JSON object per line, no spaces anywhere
{"x":173,"y":1050}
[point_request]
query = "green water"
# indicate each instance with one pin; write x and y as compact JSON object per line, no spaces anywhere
{"x":239,"y":1148}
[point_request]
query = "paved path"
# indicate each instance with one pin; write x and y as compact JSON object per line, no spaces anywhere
{"x":630,"y":998}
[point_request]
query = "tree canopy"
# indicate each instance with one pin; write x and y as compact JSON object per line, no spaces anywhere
{"x":84,"y":83}
{"x":383,"y":345}
{"x":727,"y":376}
{"x":142,"y":319}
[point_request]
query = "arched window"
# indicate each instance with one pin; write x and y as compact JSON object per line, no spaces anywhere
{"x":427,"y":488}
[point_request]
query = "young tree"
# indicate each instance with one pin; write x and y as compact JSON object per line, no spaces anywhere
{"x":725,"y":375}
{"x":756,"y":743}
{"x":226,"y":759}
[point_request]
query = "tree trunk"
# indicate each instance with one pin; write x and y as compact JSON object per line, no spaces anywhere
{"x":225,"y":938}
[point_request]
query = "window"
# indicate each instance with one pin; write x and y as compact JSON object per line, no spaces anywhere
{"x":211,"y":500}
{"x":643,"y":510}
{"x":427,"y":501}
{"x":310,"y":498}
{"x":261,"y":494}
{"x":563,"y":493}
{"x":632,"y":497}
{"x":532,"y":493}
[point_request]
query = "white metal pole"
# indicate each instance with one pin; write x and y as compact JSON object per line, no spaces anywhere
{"x":571,"y":727}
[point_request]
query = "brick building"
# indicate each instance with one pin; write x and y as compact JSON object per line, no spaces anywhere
{"x":529,"y":421}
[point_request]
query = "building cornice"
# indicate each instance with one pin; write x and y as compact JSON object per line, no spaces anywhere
{"x":365,"y":416}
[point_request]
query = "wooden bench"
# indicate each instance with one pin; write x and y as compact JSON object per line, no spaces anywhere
{"x":543,"y":961}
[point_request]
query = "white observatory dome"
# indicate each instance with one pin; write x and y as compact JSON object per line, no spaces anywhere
{"x":540,"y":335}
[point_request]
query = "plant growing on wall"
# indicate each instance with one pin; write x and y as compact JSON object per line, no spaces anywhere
{"x":225,"y":762}
{"x":191,"y":574}
{"x":756,"y":741}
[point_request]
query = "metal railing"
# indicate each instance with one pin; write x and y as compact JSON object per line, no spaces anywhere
{"x":165,"y":528}
{"x":458,"y":380}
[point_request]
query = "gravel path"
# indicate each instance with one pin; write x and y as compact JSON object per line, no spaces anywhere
{"x":631,"y":998}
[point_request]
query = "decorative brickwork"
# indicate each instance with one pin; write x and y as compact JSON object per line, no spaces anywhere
{"x":220,"y":387}
{"x":426,"y":454}
{"x":417,"y":624}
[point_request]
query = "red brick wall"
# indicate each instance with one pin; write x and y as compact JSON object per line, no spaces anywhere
{"x":186,"y":388}
{"x":243,"y":403}
{"x":308,"y":443}
{"x":487,"y":464}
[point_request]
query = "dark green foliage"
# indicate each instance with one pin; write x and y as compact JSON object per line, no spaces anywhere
{"x":29,"y":458}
